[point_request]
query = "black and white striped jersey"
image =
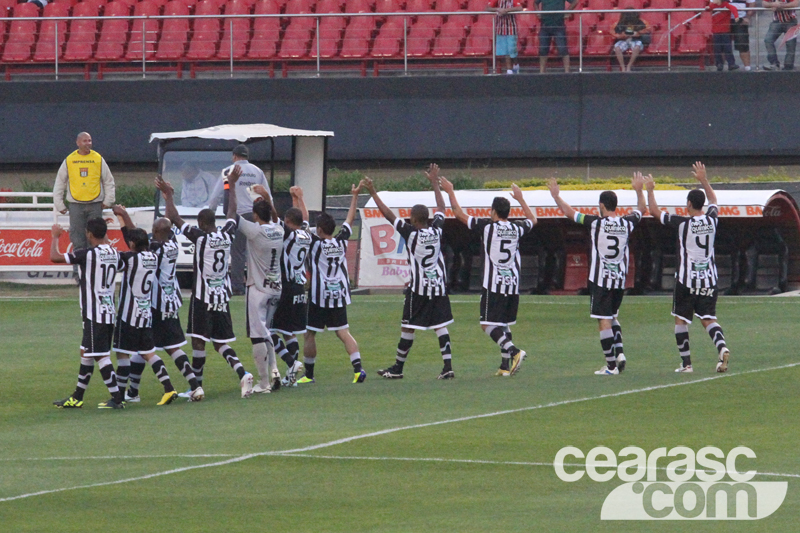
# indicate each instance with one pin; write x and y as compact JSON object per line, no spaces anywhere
{"x":425,"y":258}
{"x":98,"y":267}
{"x":608,"y":267}
{"x":296,"y":244}
{"x":212,"y":254}
{"x":327,"y":259}
{"x":264,"y":250}
{"x":167,"y":293}
{"x":696,"y":269}
{"x":136,"y":291}
{"x":501,"y":261}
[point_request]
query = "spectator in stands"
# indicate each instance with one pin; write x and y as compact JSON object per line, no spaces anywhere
{"x":553,"y":28}
{"x":40,"y":3}
{"x":783,"y":21}
{"x":628,"y":32}
{"x":196,"y":185}
{"x":740,"y":30}
{"x":721,"y":33}
{"x":506,"y":29}
{"x":89,"y":186}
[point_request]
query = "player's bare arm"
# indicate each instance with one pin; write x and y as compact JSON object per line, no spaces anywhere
{"x":516,"y":194}
{"x":433,"y":176}
{"x":123,"y":216}
{"x":55,"y":255}
{"x":447,"y":187}
{"x":638,"y":185}
{"x":351,"y":213}
{"x":650,"y":185}
{"x":699,"y":173}
{"x":168,"y":192}
{"x":555,"y":192}
{"x":384,"y":209}
{"x":232,"y":178}
{"x":298,"y":202}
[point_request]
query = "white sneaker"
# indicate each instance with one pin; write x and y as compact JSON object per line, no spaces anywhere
{"x":197,"y":394}
{"x":291,"y":375}
{"x":262,"y":389}
{"x":621,"y":362}
{"x":132,"y":399}
{"x":687,"y":369}
{"x":187,"y":394}
{"x":606,"y":372}
{"x":722,"y":364}
{"x":246,"y":384}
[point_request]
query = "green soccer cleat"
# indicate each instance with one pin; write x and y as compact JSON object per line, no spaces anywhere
{"x":304,"y":380}
{"x":68,"y":403}
{"x":360,"y":376}
{"x":111,"y":404}
{"x":168,"y":398}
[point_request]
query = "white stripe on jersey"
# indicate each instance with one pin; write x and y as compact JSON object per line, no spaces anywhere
{"x":166,"y":294}
{"x":296,"y":244}
{"x":136,"y":291}
{"x":98,"y":267}
{"x":212,"y":254}
{"x":501,"y":260}
{"x":608,"y":267}
{"x":425,"y":258}
{"x":327,"y":258}
{"x":697,"y":268}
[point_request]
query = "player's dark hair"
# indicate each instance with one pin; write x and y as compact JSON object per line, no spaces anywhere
{"x":138,"y":237}
{"x":697,"y":198}
{"x":420,"y":213}
{"x":206,"y":217}
{"x":326,"y":223}
{"x":609,"y":200}
{"x":263,"y":209}
{"x":294,"y":216}
{"x":97,"y":227}
{"x":501,"y":206}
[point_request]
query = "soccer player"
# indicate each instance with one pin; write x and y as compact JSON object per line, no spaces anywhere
{"x":427,"y":305}
{"x":263,"y":285}
{"x":133,"y":336}
{"x":610,"y":234}
{"x":696,"y":278}
{"x":500,"y":294}
{"x":98,"y":267}
{"x":165,"y":302}
{"x":209,"y":314}
{"x":330,"y":290}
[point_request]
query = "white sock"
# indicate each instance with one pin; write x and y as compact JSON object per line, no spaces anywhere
{"x":260,"y":358}
{"x":271,"y":360}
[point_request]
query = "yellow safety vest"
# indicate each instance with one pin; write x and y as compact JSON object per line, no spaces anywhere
{"x":84,"y":175}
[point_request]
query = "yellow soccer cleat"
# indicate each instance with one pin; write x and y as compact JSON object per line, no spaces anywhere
{"x":168,"y":398}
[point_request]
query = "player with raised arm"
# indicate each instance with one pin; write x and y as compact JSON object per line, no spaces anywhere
{"x":209,"y":313}
{"x":165,"y":302}
{"x":608,"y":268}
{"x":500,"y":294}
{"x":330,"y":290}
{"x":696,"y":278}
{"x":98,"y":267}
{"x":427,"y":305}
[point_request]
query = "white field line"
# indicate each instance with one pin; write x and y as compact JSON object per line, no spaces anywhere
{"x":116,"y":457}
{"x":395,"y":430}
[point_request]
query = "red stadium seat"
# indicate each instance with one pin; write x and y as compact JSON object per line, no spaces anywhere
{"x":702,"y":24}
{"x":420,"y":36}
{"x":206,"y":32}
{"x":446,"y":6}
{"x":693,"y":42}
{"x":174,"y":33}
{"x":357,"y":37}
{"x":479,"y":41}
{"x":300,"y":7}
{"x":130,"y":3}
{"x":238,"y":28}
{"x":7,"y":7}
{"x":266,"y":31}
{"x":331,"y":30}
{"x":46,"y":46}
{"x":113,"y":32}
{"x":449,"y":41}
{"x":655,"y":20}
{"x":598,"y":44}
{"x":662,"y":4}
{"x":329,"y":6}
{"x":605,"y":5}
{"x":21,"y":34}
{"x":526,"y":24}
{"x":143,"y":32}
{"x":631,"y":4}
{"x":698,"y":4}
{"x":295,"y":42}
{"x":82,"y":33}
{"x":68,"y":2}
{"x":531,"y":45}
{"x":388,"y":6}
{"x":589,"y":21}
{"x":98,"y":4}
{"x":357,"y":6}
{"x":389,"y":42}
{"x":661,"y":44}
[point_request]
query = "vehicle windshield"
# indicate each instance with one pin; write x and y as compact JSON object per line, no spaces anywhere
{"x":195,"y":175}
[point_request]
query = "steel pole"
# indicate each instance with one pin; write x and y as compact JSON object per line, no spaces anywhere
{"x":144,"y":45}
{"x":669,"y":41}
{"x":55,"y":47}
{"x":231,"y":21}
{"x":318,"y":47}
{"x":494,"y":45}
{"x":405,"y":46}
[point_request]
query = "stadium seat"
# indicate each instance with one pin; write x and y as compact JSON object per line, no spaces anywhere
{"x":82,"y":33}
{"x":479,"y":40}
{"x":130,"y":3}
{"x":662,"y":4}
{"x":388,"y":6}
{"x":694,"y":4}
{"x":655,"y":20}
{"x":98,"y":4}
{"x":300,"y":7}
{"x":693,"y":42}
{"x":174,"y":33}
{"x":357,"y":6}
{"x":266,"y":31}
{"x":144,"y":33}
{"x":295,"y":42}
{"x":21,"y":34}
{"x":449,"y":41}
{"x":638,"y":5}
{"x":7,"y":8}
{"x":605,"y":5}
{"x":70,"y":3}
{"x":588,"y":21}
{"x":421,"y":35}
{"x":389,"y":42}
{"x":113,"y":32}
{"x":702,"y":24}
{"x":598,"y":44}
{"x":239,"y":28}
{"x":357,"y":37}
{"x":46,"y":44}
{"x":530,"y":46}
{"x":331,"y":30}
{"x":205,"y":33}
{"x":661,"y":44}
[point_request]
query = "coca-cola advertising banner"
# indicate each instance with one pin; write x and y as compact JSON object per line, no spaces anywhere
{"x":31,"y":247}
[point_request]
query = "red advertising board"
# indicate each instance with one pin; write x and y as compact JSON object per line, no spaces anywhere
{"x":31,"y":247}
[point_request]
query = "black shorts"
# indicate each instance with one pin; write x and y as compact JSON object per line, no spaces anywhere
{"x":96,"y":338}
{"x":167,"y":332}
{"x":426,"y":312}
{"x":499,"y":309}
{"x":604,"y":303}
{"x":131,"y":340}
{"x":210,"y":324}
{"x":741,"y":36}
{"x":319,"y":318}
{"x":699,"y":302}
{"x":292,"y":313}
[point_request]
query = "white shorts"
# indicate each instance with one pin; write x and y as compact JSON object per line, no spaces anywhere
{"x":628,"y":44}
{"x":260,"y":310}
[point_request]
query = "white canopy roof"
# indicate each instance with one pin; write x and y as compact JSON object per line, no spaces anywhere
{"x":239,"y":132}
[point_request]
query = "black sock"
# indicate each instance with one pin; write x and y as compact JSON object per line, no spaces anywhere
{"x":403,"y":347}
{"x":84,"y":375}
{"x":500,"y":336}
{"x":281,"y":351}
{"x":293,"y":347}
{"x":308,"y":365}
{"x":682,"y":338}
{"x":198,"y":362}
{"x":616,"y":329}
{"x":123,"y":371}
{"x":355,"y":360}
{"x":715,"y":332}
{"x":230,"y":356}
{"x":160,"y":370}
{"x":182,"y":362}
{"x":110,"y":378}
{"x":607,"y":344}
{"x":444,"y":347}
{"x":137,"y":367}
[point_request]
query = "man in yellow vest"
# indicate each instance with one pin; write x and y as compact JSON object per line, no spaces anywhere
{"x":89,"y":186}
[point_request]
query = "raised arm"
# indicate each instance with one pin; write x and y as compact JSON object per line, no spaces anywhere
{"x":433,"y":176}
{"x":699,"y":173}
{"x":170,"y":211}
{"x":638,"y":184}
{"x":55,"y":255}
{"x":385,"y":211}
{"x":516,"y":193}
{"x":123,"y":216}
{"x":555,"y":192}
{"x":650,"y":185}
{"x":447,"y":187}
{"x":298,"y":202}
{"x":232,"y":178}
{"x":351,"y":213}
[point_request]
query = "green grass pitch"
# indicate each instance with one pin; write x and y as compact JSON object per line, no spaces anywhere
{"x":427,"y":478}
